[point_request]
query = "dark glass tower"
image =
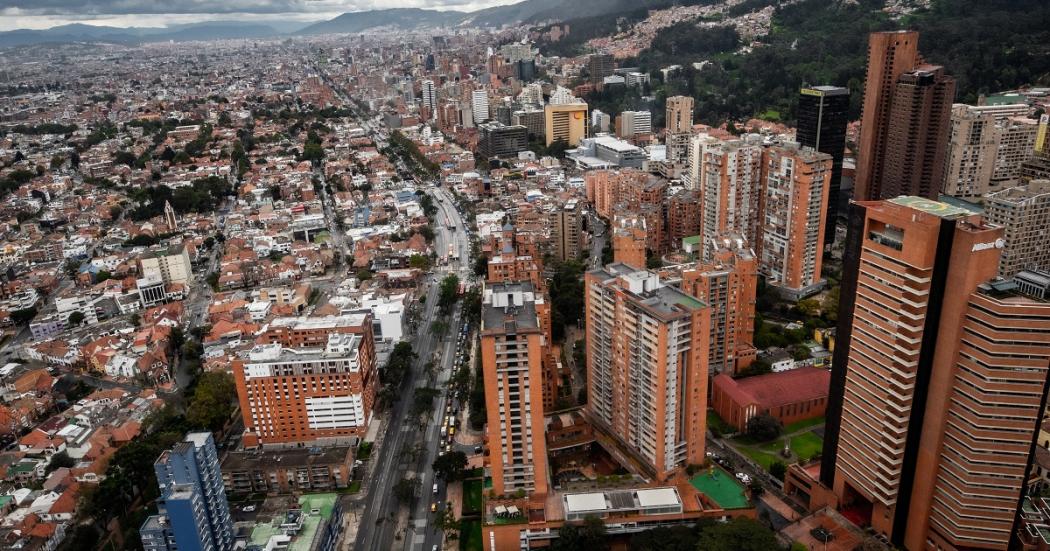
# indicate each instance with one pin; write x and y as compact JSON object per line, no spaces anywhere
{"x":822,"y":112}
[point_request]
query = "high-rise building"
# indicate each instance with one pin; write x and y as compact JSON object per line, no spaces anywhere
{"x":823,"y":112}
{"x":429,"y":95}
{"x":904,"y":129}
{"x":513,"y":343}
{"x":679,"y":114}
{"x":193,"y":511}
{"x":1024,"y":214}
{"x":647,"y":372}
{"x":987,"y":145}
{"x":698,"y":144}
{"x":628,"y":240}
{"x":917,"y":140}
{"x":531,"y":119}
{"x":308,"y":379}
{"x":498,"y":140}
{"x":171,"y":265}
{"x":1016,"y":145}
{"x":730,"y":179}
{"x":599,"y":122}
{"x":479,"y":103}
{"x":600,"y":66}
{"x":633,"y":123}
{"x":567,"y":230}
{"x":728,"y":285}
{"x":938,"y":382}
{"x":890,"y":54}
{"x":794,"y":200}
{"x":970,"y":158}
{"x":683,"y":216}
{"x":566,"y":122}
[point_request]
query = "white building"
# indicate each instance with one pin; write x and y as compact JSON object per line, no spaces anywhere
{"x":479,"y":103}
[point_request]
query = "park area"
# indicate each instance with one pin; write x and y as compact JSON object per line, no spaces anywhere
{"x":804,"y":440}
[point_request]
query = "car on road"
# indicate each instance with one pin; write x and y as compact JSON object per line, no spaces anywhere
{"x":433,"y":507}
{"x":743,"y":477}
{"x":248,"y":508}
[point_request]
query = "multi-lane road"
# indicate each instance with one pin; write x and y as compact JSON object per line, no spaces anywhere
{"x":378,"y":528}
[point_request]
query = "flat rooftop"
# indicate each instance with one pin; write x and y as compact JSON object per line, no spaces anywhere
{"x":303,"y":541}
{"x":296,"y":457}
{"x":647,"y":501}
{"x":510,"y":307}
{"x":722,"y":488}
{"x":304,"y":323}
{"x":929,"y":206}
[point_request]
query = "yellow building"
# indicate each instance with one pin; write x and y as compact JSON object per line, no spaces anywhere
{"x":565,"y":122}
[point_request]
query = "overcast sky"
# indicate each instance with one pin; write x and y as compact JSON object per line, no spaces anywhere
{"x":41,"y":14}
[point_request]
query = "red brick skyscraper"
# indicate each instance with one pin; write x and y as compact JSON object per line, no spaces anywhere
{"x":904,"y":125}
{"x":939,"y":380}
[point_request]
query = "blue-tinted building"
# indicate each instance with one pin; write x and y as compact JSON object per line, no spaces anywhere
{"x":193,"y":511}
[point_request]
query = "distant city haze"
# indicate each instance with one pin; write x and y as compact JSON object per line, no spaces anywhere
{"x":46,"y":14}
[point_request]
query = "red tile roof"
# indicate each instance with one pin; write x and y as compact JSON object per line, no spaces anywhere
{"x":777,"y":389}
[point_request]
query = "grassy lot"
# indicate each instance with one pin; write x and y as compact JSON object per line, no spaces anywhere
{"x":806,"y":445}
{"x":800,"y":425}
{"x":471,"y":497}
{"x":803,"y":445}
{"x":352,"y":488}
{"x":763,"y":458}
{"x":770,"y":115}
{"x":717,"y":423}
{"x":470,"y":536}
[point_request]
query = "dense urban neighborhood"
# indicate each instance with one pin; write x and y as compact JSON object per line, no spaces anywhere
{"x":520,"y":278}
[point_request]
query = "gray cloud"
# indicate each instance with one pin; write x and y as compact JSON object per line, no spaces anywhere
{"x":94,"y":8}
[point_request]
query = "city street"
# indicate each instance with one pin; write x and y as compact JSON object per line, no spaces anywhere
{"x":380,"y":507}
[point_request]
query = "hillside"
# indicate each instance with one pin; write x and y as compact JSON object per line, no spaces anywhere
{"x":402,"y":18}
{"x":988,"y":45}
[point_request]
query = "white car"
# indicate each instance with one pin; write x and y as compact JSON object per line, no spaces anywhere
{"x":248,"y":508}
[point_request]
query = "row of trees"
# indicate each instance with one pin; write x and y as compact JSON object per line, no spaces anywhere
{"x":392,"y":377}
{"x":202,"y":195}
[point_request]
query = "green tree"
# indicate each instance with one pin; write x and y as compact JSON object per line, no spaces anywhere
{"x":405,"y":490}
{"x":213,"y":281}
{"x":676,"y":538}
{"x":589,"y":535}
{"x":778,"y":470}
{"x":58,"y":461}
{"x":739,"y":534}
{"x":448,"y":293}
{"x":450,"y":466}
{"x":439,"y":327}
{"x":213,"y":401}
{"x":23,"y":316}
{"x":419,"y":262}
{"x":829,"y":305}
{"x":809,"y":307}
{"x":75,"y":318}
{"x":763,"y":427}
{"x":447,"y":522}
